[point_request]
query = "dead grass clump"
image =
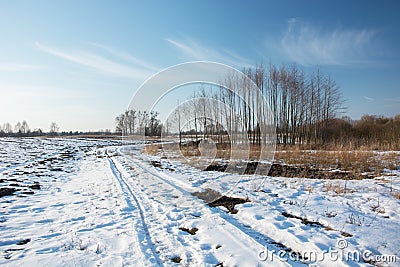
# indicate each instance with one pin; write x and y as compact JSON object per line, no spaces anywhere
{"x":391,"y":160}
{"x":303,"y":220}
{"x":336,"y":188}
{"x":356,"y":162}
{"x":355,"y":220}
{"x":396,"y":195}
{"x":153,"y":149}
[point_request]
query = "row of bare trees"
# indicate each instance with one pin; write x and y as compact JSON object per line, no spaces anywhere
{"x":138,"y":122}
{"x":300,"y":106}
{"x":22,"y":129}
{"x":304,"y":107}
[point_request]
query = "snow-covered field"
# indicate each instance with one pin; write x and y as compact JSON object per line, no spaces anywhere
{"x":99,"y":203}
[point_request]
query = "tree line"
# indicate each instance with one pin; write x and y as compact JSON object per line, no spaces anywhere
{"x":138,"y":122}
{"x":22,"y":129}
{"x":376,"y":132}
{"x":301,"y":105}
{"x":305,"y":107}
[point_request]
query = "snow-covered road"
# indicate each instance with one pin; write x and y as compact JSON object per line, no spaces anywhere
{"x":103,"y":204}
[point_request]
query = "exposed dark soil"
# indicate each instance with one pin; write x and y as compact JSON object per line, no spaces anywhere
{"x":215,"y":199}
{"x":191,"y":231}
{"x":27,"y":192}
{"x":303,"y":220}
{"x":208,"y":195}
{"x":216,"y":168}
{"x":23,"y":242}
{"x":281,"y":170}
{"x":7,"y":191}
{"x":158,"y":164}
{"x":314,"y":223}
{"x":176,"y":259}
{"x":229,"y":203}
{"x":35,"y":186}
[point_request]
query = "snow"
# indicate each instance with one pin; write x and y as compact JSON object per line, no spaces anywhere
{"x":102,"y":203}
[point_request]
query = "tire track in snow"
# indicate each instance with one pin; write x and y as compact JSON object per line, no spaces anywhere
{"x":231,"y":226}
{"x":127,"y":189}
{"x":169,"y":243}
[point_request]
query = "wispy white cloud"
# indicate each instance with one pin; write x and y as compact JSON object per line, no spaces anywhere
{"x":308,"y":44}
{"x":98,"y":63}
{"x":197,"y":51}
{"x":127,"y":57}
{"x":19,"y":67}
{"x":394,"y":99}
{"x":369,"y":99}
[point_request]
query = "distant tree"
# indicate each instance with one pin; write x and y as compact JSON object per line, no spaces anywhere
{"x":7,"y":128}
{"x":37,"y":132}
{"x":153,"y":127}
{"x":121,"y":126}
{"x":17,"y":127}
{"x":25,"y":128}
{"x":54,"y":128}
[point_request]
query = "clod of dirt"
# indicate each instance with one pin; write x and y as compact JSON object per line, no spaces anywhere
{"x":345,"y":234}
{"x":27,"y":192}
{"x":280,"y":246}
{"x":208,"y":195}
{"x":216,"y":168}
{"x":303,"y":220}
{"x":35,"y":186}
{"x":215,"y":199}
{"x":156,"y":164}
{"x":228,"y":202}
{"x":191,"y":231}
{"x":7,"y":191}
{"x":176,"y":259}
{"x":23,"y":242}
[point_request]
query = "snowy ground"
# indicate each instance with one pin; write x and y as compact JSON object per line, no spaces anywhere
{"x":97,"y":203}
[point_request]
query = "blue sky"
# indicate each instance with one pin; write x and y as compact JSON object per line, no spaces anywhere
{"x":79,"y":62}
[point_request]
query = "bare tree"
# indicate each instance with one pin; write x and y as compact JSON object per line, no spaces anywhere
{"x":25,"y":128}
{"x":54,"y":128}
{"x":7,"y":128}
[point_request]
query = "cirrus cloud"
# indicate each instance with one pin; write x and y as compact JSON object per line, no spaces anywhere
{"x":308,"y":44}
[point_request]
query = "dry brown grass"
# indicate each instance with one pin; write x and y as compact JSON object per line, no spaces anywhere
{"x":396,"y":195}
{"x":356,"y":162}
{"x":336,"y":188}
{"x":153,"y":149}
